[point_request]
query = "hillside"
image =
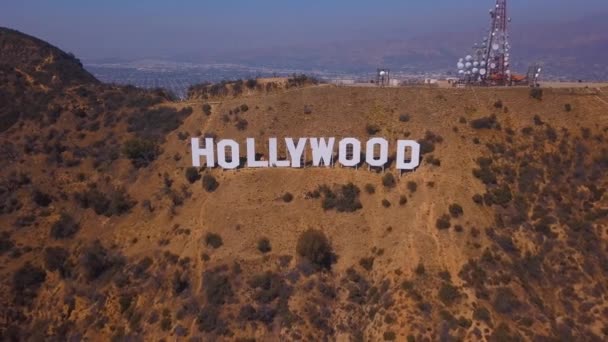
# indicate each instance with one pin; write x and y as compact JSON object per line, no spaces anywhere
{"x":107,"y":233}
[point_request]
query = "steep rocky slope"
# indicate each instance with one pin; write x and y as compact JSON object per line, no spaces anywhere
{"x":107,"y":232}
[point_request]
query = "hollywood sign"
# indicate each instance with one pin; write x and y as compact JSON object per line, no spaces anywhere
{"x":227,"y":153}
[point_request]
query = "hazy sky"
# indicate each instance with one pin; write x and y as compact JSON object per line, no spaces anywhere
{"x":155,"y":28}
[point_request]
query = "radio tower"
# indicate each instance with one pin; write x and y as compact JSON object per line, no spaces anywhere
{"x":497,"y":49}
{"x":489,"y":62}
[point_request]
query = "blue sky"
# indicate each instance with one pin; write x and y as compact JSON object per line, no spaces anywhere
{"x":154,"y":28}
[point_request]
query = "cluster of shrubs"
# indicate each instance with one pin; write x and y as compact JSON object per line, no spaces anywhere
{"x":154,"y":124}
{"x":141,"y":152}
{"x":427,"y":144}
{"x":345,"y":199}
{"x":314,"y":247}
{"x":300,"y":80}
{"x":115,"y":202}
{"x":488,"y":122}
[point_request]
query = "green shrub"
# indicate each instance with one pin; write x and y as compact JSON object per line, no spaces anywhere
{"x":389,"y":336}
{"x":213,"y":240}
{"x":207,"y":109}
{"x":372,"y":129}
{"x":485,"y":123}
{"x":313,"y":246}
{"x":57,"y":259}
{"x":388,"y":180}
{"x":65,"y":227}
{"x":370,"y":188}
{"x":241,"y":124}
{"x":456,"y":210}
{"x":210,"y":184}
{"x":448,"y":293}
{"x":264,"y":245}
{"x":141,"y":152}
{"x":287,"y":197}
{"x":443,"y":222}
{"x":192,"y":174}
{"x":367,"y":263}
{"x":26,"y":282}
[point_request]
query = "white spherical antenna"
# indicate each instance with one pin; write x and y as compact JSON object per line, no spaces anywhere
{"x":475,"y":70}
{"x":382,"y":73}
{"x":492,"y":65}
{"x":476,"y":64}
{"x":468,"y":58}
{"x":482,"y":63}
{"x":536,"y":75}
{"x":461,"y":72}
{"x":482,"y":72}
{"x":460,"y":65}
{"x":495,"y":47}
{"x":468,"y":65}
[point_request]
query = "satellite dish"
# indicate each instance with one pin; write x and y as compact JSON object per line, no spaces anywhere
{"x":536,"y":76}
{"x":495,"y":47}
{"x":482,"y":72}
{"x":493,"y":66}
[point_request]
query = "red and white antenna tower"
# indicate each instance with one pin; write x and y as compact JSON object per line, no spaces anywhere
{"x":489,"y":62}
{"x":497,"y":49}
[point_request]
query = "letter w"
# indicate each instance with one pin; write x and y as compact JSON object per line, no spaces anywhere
{"x":322,"y":150}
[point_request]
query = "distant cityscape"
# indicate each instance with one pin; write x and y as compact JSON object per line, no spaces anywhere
{"x":178,"y":76}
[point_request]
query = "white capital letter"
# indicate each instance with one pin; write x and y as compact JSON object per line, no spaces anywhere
{"x":356,"y":150}
{"x":322,"y":150}
{"x":251,"y":162}
{"x":295,"y":151}
{"x":273,"y":154}
{"x":369,"y":154}
{"x":234,"y":151}
{"x":198,"y":152}
{"x":414,"y":157}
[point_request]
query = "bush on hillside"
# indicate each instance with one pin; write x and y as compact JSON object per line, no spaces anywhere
{"x":141,"y":152}
{"x":65,"y":227}
{"x":314,"y":246}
